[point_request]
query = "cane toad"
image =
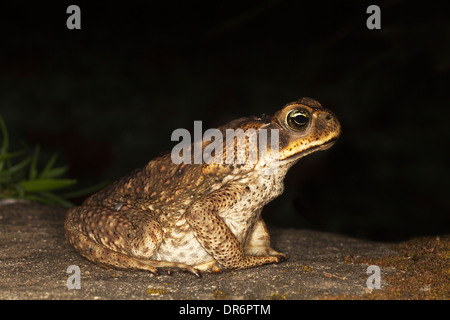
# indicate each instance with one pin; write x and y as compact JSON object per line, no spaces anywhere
{"x":200,"y":217}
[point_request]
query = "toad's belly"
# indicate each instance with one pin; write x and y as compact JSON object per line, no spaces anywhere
{"x":182,"y":248}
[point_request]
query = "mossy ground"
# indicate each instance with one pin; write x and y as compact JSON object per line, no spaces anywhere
{"x":422,"y":270}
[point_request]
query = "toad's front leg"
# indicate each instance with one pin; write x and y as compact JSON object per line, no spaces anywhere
{"x":216,"y":237}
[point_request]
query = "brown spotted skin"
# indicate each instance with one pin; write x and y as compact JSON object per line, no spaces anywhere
{"x":198,"y":217}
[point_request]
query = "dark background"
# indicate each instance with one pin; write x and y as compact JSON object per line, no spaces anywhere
{"x":107,"y":97}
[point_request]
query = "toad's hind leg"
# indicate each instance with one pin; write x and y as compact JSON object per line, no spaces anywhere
{"x":216,"y":237}
{"x":258,"y":241}
{"x":109,"y":239}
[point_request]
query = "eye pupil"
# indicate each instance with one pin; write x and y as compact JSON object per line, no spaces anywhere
{"x":297,"y":119}
{"x":300,"y":119}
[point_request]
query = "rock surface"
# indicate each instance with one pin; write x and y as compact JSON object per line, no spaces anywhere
{"x":35,"y":256}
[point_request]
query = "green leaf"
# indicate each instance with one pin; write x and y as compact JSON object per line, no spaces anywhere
{"x":56,"y":199}
{"x":6,"y":196}
{"x":20,"y":166}
{"x":10,"y":155}
{"x":5,"y":177}
{"x":46,"y":184}
{"x":53,"y":173}
{"x":10,"y":175}
{"x":49,"y":165}
{"x":85,"y":191}
{"x":49,"y":198}
{"x":38,"y":186}
{"x":37,"y":198}
{"x":33,"y":166}
{"x":19,"y":190}
{"x":5,"y":144}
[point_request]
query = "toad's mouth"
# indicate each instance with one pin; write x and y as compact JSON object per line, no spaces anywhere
{"x":310,"y":150}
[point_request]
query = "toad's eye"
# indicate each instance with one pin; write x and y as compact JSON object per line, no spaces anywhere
{"x":297,"y":119}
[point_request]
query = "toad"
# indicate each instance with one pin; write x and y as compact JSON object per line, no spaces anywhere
{"x":200,"y":217}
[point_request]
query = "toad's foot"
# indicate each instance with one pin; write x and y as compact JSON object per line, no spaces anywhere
{"x":211,"y":266}
{"x":154,"y":266}
{"x":264,"y":251}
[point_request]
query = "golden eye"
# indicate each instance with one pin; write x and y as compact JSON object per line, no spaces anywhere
{"x":297,"y":119}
